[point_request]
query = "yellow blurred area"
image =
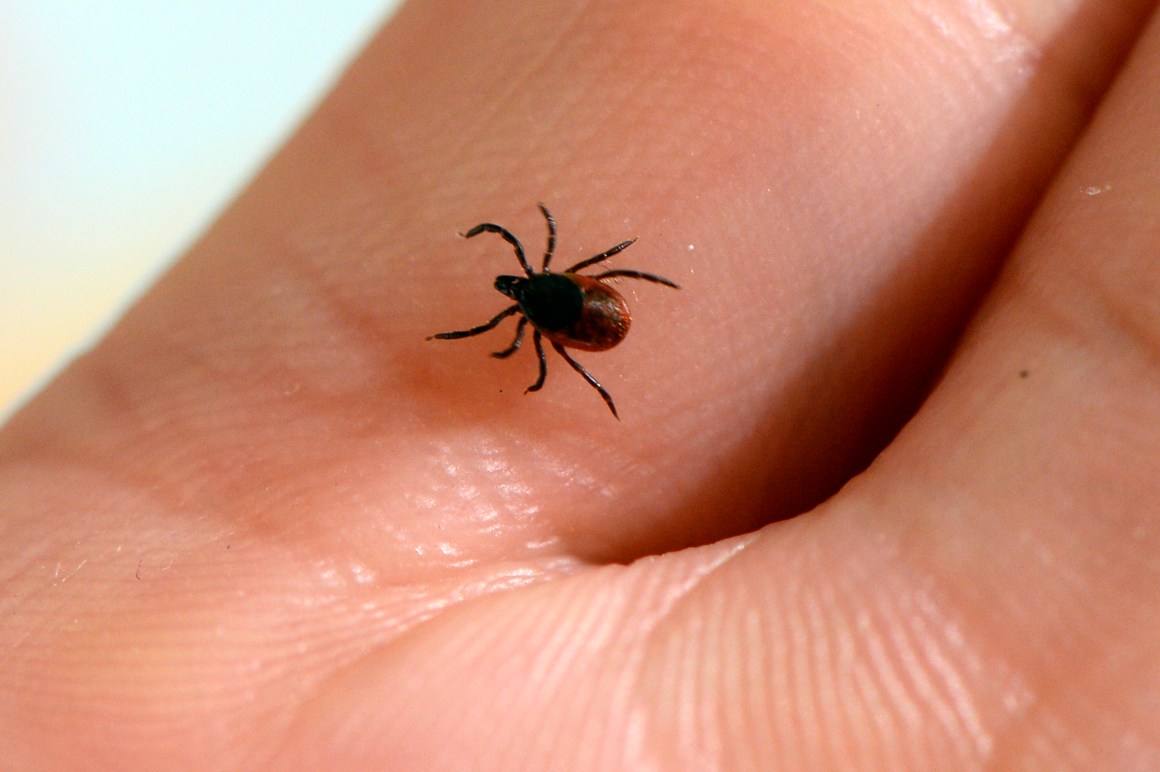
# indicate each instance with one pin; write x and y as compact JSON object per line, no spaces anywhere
{"x":125,"y":126}
{"x":52,"y":307}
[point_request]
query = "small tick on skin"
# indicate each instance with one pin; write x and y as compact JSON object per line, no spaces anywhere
{"x":569,"y":309}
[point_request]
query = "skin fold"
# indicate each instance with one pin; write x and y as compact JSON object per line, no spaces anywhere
{"x":884,"y":490}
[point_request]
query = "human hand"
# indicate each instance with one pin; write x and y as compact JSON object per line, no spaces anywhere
{"x":265,"y":524}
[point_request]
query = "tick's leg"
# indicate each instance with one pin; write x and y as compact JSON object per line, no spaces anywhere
{"x":515,"y":346}
{"x":551,"y":235}
{"x":539,"y":384}
{"x":507,"y":236}
{"x":591,"y":381}
{"x":602,"y":256}
{"x":637,"y":275}
{"x":504,"y":314}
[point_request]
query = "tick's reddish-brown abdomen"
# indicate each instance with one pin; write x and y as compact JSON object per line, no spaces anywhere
{"x":603,"y":322}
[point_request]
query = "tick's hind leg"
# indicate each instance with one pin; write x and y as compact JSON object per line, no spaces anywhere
{"x":588,"y":377}
{"x":504,"y":314}
{"x":515,"y":346}
{"x":628,"y":274}
{"x":506,"y":235}
{"x":602,"y":256}
{"x":539,"y":384}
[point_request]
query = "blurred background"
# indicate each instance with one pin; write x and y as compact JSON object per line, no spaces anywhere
{"x":125,"y":126}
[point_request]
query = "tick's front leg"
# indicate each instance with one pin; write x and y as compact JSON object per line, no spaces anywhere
{"x":504,"y":314}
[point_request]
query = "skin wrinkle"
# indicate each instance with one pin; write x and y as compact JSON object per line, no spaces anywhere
{"x":951,"y":670}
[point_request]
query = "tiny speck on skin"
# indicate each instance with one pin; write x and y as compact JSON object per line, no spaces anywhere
{"x":1024,"y":373}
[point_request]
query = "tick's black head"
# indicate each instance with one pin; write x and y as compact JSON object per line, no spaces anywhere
{"x":551,"y":301}
{"x":512,"y":286}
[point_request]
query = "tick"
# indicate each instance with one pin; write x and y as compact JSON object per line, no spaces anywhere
{"x":568,"y":308}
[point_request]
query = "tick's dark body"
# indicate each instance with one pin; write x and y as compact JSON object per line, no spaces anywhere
{"x":572,"y":310}
{"x":569,"y":309}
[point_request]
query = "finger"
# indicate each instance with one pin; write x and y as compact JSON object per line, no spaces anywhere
{"x":291,"y":343}
{"x":1027,"y":490}
{"x":269,"y":438}
{"x":983,"y":597}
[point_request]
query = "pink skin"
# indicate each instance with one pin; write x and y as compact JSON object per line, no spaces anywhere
{"x":265,"y":524}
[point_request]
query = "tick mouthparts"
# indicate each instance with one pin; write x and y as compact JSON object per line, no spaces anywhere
{"x":508,"y":285}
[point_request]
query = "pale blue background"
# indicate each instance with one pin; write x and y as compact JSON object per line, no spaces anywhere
{"x":124,"y":125}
